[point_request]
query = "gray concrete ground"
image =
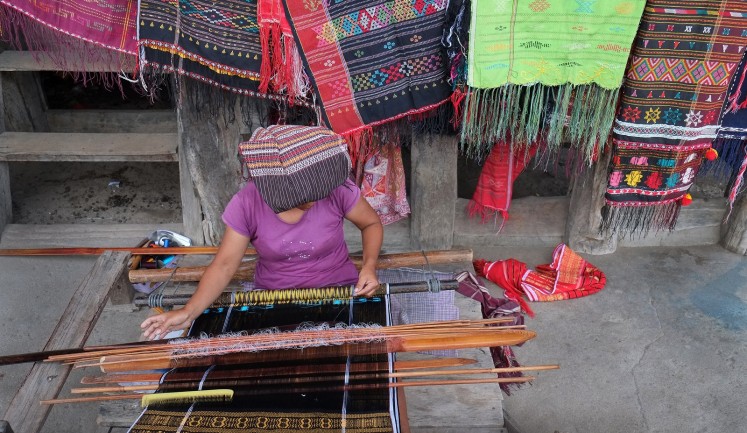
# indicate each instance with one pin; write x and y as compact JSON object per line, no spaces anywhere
{"x":660,"y":349}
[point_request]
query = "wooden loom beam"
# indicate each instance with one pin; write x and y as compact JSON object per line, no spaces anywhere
{"x":45,"y":380}
{"x":246,"y":269}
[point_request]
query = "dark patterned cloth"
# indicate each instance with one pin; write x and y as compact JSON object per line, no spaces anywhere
{"x":371,"y":62}
{"x":214,"y":42}
{"x":677,"y":81}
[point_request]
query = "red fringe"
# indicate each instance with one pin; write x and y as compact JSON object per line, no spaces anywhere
{"x":265,"y":69}
{"x":457,"y":100}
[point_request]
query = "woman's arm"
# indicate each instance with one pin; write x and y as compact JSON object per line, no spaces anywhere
{"x":372,"y":235}
{"x":213,"y":282}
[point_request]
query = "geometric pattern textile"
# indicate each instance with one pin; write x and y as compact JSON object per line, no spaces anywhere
{"x":215,"y":42}
{"x":371,"y":62}
{"x":108,"y":23}
{"x":677,"y":81}
{"x":383,"y":184}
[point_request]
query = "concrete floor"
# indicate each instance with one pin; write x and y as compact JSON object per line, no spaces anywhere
{"x":661,"y":349}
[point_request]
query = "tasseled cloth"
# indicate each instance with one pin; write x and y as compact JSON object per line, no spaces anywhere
{"x":569,"y":276}
{"x":472,"y":287}
{"x":371,"y":62}
{"x":677,"y":81}
{"x":495,"y":186}
{"x":545,"y":69}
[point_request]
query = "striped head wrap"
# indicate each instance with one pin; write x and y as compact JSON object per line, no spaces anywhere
{"x":292,"y":165}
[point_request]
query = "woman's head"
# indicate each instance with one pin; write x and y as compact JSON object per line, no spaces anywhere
{"x":292,"y":165}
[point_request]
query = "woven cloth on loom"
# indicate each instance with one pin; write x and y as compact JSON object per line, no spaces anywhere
{"x":108,"y":23}
{"x":546,"y":64}
{"x":676,"y":85}
{"x":214,"y":42}
{"x":261,"y":407}
{"x":371,"y":62}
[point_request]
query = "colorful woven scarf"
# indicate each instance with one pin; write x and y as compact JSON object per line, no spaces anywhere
{"x":215,"y":42}
{"x":107,"y":23}
{"x":371,"y":62}
{"x":554,"y":65}
{"x":569,"y":276}
{"x":383,"y":184}
{"x":676,"y":85}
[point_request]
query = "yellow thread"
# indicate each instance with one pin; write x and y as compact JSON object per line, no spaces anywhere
{"x":210,"y":395}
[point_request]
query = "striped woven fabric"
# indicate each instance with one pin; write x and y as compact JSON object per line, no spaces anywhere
{"x":292,"y":165}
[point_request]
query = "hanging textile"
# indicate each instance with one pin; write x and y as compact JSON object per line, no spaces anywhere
{"x":546,"y":68}
{"x":495,"y":186}
{"x":288,"y":403}
{"x":676,"y":85}
{"x":214,"y":42}
{"x":731,"y":141}
{"x":569,"y":276}
{"x":371,"y":62}
{"x":109,"y":24}
{"x":383,"y":184}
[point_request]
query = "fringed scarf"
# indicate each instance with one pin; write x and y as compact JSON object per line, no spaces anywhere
{"x":495,"y":186}
{"x":76,"y":35}
{"x":676,"y":84}
{"x":371,"y":62}
{"x":731,"y":141}
{"x":383,"y":184}
{"x":214,"y":42}
{"x":546,"y":68}
{"x":569,"y":276}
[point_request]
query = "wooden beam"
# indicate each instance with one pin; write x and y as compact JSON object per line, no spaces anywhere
{"x":433,"y":191}
{"x":6,"y":204}
{"x":51,"y":146}
{"x":246,"y":269}
{"x":45,"y":380}
{"x":734,"y":232}
{"x":585,"y":211}
{"x":42,"y":61}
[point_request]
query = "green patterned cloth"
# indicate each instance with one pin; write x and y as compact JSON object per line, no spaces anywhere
{"x":552,"y":42}
{"x":546,"y":72}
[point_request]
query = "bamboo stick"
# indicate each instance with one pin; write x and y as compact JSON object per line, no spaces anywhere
{"x":95,"y":251}
{"x":246,"y":269}
{"x":312,"y":389}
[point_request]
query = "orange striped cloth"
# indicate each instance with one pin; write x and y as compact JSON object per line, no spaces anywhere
{"x":569,"y":276}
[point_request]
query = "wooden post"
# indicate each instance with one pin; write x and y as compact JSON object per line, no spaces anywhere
{"x":584,"y":211}
{"x":6,"y":203}
{"x":734,"y":232}
{"x":210,"y":148}
{"x":433,"y":191}
{"x":25,"y":107}
{"x":45,"y":380}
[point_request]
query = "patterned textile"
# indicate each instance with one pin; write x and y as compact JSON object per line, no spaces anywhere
{"x":107,"y":23}
{"x":292,"y":165}
{"x":495,"y":187}
{"x":313,"y":407}
{"x":731,"y":142}
{"x":371,"y":62}
{"x":215,"y":42}
{"x":676,"y":85}
{"x":554,"y":64}
{"x":383,"y":184}
{"x":569,"y":276}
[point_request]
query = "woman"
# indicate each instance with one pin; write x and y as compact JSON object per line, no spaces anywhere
{"x":292,"y":212}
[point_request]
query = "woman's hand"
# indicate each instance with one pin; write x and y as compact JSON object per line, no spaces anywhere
{"x":367,"y":282}
{"x":158,"y":326}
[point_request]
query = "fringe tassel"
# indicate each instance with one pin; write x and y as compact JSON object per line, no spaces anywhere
{"x":639,"y":220}
{"x":581,"y":115}
{"x":731,"y":153}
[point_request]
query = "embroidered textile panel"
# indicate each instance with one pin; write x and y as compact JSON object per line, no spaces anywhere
{"x":107,"y":23}
{"x":371,"y":62}
{"x":214,"y":42}
{"x":676,"y":84}
{"x":551,"y":42}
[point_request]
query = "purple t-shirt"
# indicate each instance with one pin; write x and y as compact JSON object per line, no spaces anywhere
{"x":309,"y":253}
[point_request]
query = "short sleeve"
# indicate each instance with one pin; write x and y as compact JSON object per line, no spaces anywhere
{"x":236,"y":215}
{"x":346,"y":196}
